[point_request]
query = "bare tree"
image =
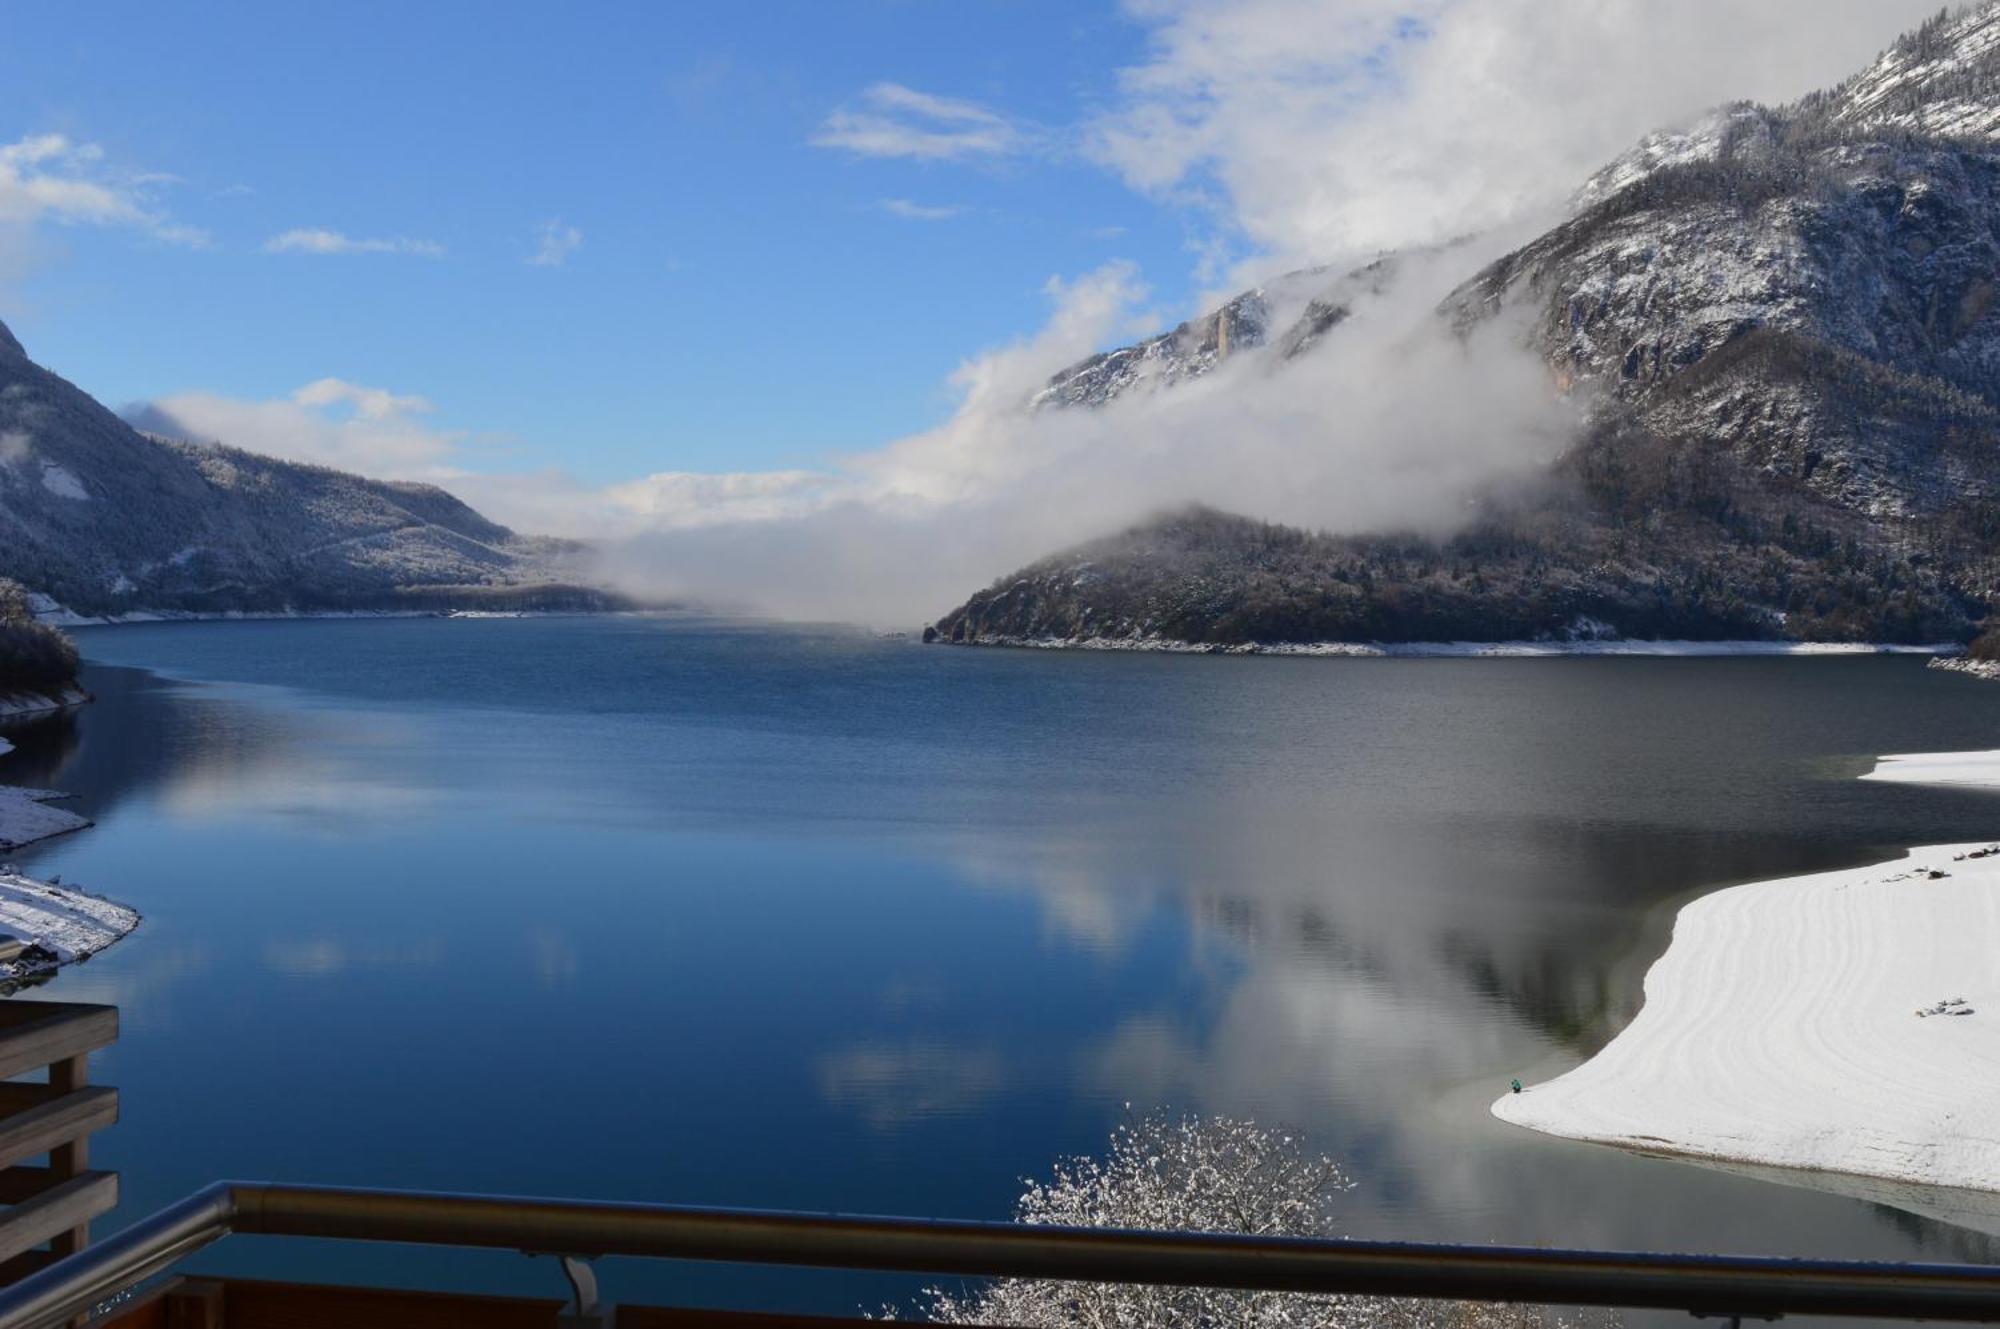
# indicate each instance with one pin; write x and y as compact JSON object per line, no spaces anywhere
{"x":1205,"y":1174}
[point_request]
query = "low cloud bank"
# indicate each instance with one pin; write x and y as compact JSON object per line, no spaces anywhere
{"x":1304,"y":130}
{"x":1391,"y":422}
{"x":1291,"y":132}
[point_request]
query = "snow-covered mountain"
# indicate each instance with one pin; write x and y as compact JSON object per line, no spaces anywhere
{"x":104,"y":520}
{"x":1300,"y":306}
{"x":1785,"y":320}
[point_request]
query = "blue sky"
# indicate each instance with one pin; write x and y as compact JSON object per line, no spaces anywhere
{"x":737,"y":296}
{"x":618,"y":269}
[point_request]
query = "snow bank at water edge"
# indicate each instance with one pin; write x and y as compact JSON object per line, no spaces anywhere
{"x":57,"y":925}
{"x":34,"y":703}
{"x":25,"y":817}
{"x":1844,"y":1022}
{"x":1466,"y":649}
{"x":1938,"y":768}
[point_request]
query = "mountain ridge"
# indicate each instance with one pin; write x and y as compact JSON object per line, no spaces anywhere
{"x":107,"y":521}
{"x":1783,"y":322}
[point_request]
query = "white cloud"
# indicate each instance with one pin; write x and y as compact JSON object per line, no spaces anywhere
{"x":890,"y":120}
{"x":368,"y":403}
{"x":320,"y":240}
{"x":554,"y":503}
{"x":910,"y":210}
{"x":52,"y":178}
{"x":1393,"y":422}
{"x":554,"y":243}
{"x":383,"y":434}
{"x":1304,"y":131}
{"x":1316,"y":131}
{"x":328,"y":422}
{"x":671,"y":499}
{"x":1361,"y":436}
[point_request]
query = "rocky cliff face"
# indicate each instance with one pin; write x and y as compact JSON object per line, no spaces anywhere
{"x":1785,"y":320}
{"x":1281,"y":322}
{"x":106,"y":520}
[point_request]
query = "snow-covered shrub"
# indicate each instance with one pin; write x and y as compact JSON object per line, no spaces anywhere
{"x":33,"y":657}
{"x":1199,"y":1174}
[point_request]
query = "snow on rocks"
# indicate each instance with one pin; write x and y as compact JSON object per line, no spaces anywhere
{"x":1777,"y":1029}
{"x":1959,"y":664}
{"x":19,"y":704}
{"x":25,"y":816}
{"x":55,"y":924}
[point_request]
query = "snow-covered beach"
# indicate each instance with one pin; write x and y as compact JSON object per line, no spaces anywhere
{"x":1938,"y":768}
{"x":44,"y":924}
{"x":56,"y":924}
{"x":28,"y":815}
{"x":1842,"y":1021}
{"x":17,"y":705}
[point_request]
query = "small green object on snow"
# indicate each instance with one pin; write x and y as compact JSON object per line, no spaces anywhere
{"x":1517,"y":1086}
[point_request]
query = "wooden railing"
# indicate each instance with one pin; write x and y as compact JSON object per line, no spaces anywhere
{"x":49,"y":1207}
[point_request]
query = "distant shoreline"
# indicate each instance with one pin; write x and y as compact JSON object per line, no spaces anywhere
{"x":1842,"y":1022}
{"x":145,"y":618}
{"x":1463,"y":649}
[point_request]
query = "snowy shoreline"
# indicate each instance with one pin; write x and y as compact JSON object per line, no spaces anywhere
{"x":1844,"y":1022}
{"x":67,"y":619}
{"x":48,"y":925}
{"x":45,"y":925}
{"x":18,"y":705}
{"x":25,"y":817}
{"x":1466,"y":649}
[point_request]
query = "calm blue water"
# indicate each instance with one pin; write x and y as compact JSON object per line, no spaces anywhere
{"x":668,"y":909}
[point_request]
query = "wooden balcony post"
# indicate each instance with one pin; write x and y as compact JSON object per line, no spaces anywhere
{"x":72,"y":1157}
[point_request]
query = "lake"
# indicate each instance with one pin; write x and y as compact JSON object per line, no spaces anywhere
{"x":718,"y":913}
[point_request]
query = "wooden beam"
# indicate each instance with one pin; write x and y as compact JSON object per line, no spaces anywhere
{"x":251,"y":1304}
{"x":60,"y":1209}
{"x":197,"y":1303}
{"x":71,"y":1159}
{"x":36,"y":1123}
{"x":34,"y":1034}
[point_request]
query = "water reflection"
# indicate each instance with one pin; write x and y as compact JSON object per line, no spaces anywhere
{"x":890,"y":1085}
{"x":822,"y":922}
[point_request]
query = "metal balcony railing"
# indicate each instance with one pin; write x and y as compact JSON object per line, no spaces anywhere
{"x":1707,"y":1285}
